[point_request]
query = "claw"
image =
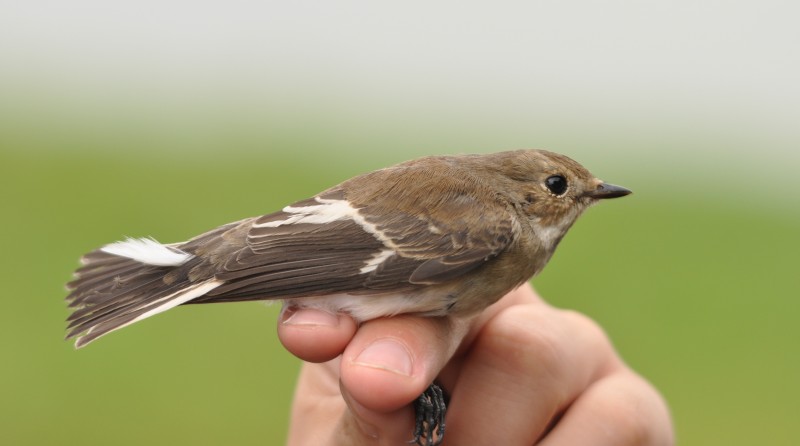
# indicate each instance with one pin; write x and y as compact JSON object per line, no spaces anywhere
{"x":430,"y":410}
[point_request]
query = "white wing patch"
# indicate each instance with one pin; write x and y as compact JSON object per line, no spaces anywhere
{"x":326,"y":212}
{"x":329,"y":211}
{"x":376,"y":260}
{"x":148,"y":251}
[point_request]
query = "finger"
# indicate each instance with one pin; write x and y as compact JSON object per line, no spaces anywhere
{"x":391,"y":361}
{"x":523,"y":295}
{"x":619,"y":410}
{"x":315,"y":335}
{"x":527,"y":364}
{"x":324,"y":412}
{"x":317,"y":406}
{"x":363,"y":426}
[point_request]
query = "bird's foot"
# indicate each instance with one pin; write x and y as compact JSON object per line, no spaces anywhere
{"x":430,"y":409}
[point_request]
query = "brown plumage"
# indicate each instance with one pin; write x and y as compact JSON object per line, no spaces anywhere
{"x":437,"y":235}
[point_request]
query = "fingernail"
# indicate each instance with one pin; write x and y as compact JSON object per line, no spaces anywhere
{"x":310,"y":318}
{"x":386,"y":354}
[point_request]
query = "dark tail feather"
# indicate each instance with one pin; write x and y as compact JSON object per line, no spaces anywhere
{"x":110,"y":292}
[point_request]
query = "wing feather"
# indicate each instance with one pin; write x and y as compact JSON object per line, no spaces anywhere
{"x":329,"y":244}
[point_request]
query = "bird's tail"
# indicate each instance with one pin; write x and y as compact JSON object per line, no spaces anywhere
{"x":126,"y":282}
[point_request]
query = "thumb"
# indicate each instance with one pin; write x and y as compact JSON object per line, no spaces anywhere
{"x":386,"y":366}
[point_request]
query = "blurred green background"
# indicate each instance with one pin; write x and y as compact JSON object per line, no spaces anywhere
{"x":170,"y":118}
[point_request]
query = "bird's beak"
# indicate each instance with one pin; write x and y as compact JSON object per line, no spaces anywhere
{"x":605,"y":190}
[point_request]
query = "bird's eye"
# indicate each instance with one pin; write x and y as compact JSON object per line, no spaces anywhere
{"x":557,"y":184}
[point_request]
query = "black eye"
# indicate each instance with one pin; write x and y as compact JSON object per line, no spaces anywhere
{"x":557,"y":184}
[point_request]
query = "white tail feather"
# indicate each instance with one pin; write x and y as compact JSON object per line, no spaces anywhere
{"x":148,"y":251}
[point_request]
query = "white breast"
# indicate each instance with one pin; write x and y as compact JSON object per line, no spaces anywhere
{"x":366,"y":307}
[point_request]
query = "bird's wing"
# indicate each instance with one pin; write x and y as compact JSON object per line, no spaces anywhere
{"x":389,"y":230}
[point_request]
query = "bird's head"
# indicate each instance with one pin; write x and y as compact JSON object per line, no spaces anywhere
{"x":552,"y":190}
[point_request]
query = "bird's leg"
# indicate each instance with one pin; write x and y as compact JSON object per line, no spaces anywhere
{"x":430,"y":409}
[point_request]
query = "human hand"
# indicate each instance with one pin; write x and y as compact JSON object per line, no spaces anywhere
{"x":520,"y":373}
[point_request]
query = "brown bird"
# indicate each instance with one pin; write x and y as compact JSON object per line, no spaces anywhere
{"x":435,"y":236}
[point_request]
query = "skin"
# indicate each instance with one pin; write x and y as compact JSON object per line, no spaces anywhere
{"x":520,"y":373}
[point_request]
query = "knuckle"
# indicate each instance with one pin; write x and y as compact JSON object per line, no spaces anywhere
{"x":589,"y":332}
{"x":521,"y":334}
{"x":637,"y":414}
{"x":582,"y":322}
{"x":628,"y":424}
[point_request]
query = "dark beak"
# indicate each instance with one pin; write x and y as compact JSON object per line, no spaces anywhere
{"x":605,"y":190}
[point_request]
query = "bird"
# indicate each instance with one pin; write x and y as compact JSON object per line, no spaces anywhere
{"x":434,"y":236}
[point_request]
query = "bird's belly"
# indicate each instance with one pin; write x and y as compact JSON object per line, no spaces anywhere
{"x":366,"y":307}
